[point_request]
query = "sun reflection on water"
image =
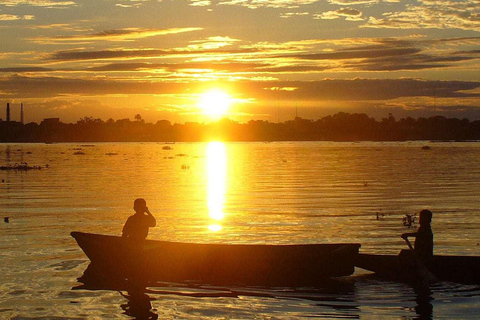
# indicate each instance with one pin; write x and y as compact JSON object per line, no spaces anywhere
{"x":215,"y":227}
{"x":217,"y":174}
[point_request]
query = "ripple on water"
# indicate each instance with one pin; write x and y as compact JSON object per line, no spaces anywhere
{"x":67,"y":265}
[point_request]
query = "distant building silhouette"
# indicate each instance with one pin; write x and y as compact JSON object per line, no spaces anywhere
{"x":8,"y":115}
{"x":50,"y":121}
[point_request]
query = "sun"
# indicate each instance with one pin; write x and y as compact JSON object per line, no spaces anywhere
{"x":215,"y":103}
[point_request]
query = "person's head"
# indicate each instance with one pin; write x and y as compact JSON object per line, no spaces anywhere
{"x":425,"y":217}
{"x":140,"y":205}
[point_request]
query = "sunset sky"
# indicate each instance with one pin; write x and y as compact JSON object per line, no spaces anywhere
{"x":272,"y":58}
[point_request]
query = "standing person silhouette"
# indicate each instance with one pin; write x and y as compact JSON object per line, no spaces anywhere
{"x":137,"y":225}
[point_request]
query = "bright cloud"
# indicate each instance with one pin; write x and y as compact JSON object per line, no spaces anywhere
{"x":127,"y":34}
{"x":9,"y":17}
{"x":347,"y":13}
{"x":13,"y":17}
{"x":461,"y":14}
{"x":200,"y":3}
{"x":294,"y":14}
{"x":37,"y":3}
{"x":255,"y":4}
{"x":212,"y":43}
{"x":352,"y":2}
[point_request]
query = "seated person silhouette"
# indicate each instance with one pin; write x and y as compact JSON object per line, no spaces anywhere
{"x":423,"y":247}
{"x":137,"y":225}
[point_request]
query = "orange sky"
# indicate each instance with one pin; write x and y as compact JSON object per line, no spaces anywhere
{"x":273,"y":58}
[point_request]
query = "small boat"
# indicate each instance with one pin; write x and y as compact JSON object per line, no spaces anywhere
{"x":220,"y":264}
{"x":460,"y":269}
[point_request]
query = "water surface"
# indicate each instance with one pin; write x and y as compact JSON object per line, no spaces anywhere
{"x":273,"y":193}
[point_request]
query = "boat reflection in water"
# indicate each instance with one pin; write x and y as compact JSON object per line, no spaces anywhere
{"x":217,"y":180}
{"x":333,"y":297}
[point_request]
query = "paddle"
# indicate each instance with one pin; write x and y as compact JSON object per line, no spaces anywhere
{"x":425,"y":274}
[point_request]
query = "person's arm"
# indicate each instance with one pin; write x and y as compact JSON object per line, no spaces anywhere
{"x":151,"y":219}
{"x":126,"y":229}
{"x":410,"y":234}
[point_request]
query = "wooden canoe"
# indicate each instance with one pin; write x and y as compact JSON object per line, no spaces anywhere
{"x":272,"y":265}
{"x":461,"y":269}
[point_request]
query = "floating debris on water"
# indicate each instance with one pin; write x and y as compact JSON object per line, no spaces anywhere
{"x":111,"y":154}
{"x":28,"y":152}
{"x":79,"y":153}
{"x":426,"y":148}
{"x":185,"y":167}
{"x":6,"y":220}
{"x":181,"y":155}
{"x":166,"y":148}
{"x":23,"y":166}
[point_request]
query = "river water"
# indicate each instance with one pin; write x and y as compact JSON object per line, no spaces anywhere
{"x":272,"y":193}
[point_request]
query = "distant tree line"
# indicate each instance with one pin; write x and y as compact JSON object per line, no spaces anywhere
{"x":339,"y":127}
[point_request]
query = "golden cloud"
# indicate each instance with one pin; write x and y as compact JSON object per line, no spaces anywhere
{"x":127,"y":34}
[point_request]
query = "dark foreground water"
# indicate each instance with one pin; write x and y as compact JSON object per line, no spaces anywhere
{"x":234,"y":193}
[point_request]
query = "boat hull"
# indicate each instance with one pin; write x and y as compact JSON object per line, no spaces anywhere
{"x":461,"y":269}
{"x":271,"y":265}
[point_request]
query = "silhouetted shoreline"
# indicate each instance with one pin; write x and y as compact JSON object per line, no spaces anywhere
{"x":339,"y":127}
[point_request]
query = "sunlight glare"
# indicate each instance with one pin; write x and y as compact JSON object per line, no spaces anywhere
{"x":215,"y":227}
{"x":217,"y":171}
{"x":215,"y":103}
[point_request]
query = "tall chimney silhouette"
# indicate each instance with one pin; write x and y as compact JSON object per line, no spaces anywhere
{"x":21,"y":113}
{"x":8,"y":112}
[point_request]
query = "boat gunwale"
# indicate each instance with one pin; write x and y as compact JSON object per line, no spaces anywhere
{"x":74,"y":234}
